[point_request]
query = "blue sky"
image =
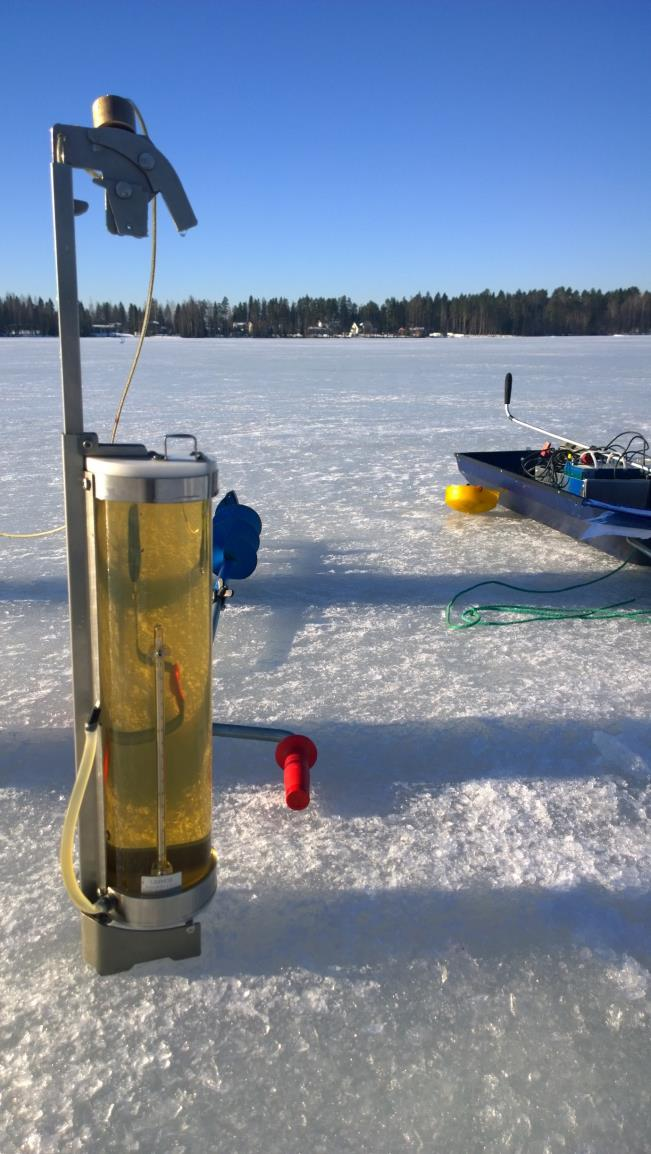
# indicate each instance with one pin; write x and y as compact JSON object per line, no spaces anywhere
{"x":371,"y":148}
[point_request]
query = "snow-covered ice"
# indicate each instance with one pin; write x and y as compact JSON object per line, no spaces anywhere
{"x":449,"y":951}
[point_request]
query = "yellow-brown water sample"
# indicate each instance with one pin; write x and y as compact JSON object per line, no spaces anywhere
{"x":154,"y":569}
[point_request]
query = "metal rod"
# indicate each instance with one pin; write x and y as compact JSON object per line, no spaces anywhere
{"x":508,"y":385}
{"x":216,"y":613}
{"x":84,"y":679}
{"x":162,"y":865}
{"x":251,"y":732}
{"x":63,"y":210}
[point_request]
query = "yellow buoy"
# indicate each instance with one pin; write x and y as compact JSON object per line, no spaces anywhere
{"x":471,"y":498}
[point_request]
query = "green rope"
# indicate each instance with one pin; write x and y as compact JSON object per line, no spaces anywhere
{"x":474,"y":614}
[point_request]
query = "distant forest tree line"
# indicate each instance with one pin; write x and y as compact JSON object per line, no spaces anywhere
{"x":564,"y":312}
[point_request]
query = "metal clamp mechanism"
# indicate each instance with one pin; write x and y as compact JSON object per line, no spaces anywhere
{"x":127,"y":165}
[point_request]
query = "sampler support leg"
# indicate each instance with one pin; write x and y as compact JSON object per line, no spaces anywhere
{"x":111,"y":949}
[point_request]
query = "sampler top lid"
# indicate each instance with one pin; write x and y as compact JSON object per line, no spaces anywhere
{"x":132,"y":473}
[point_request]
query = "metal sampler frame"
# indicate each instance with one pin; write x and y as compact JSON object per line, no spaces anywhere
{"x":132,"y":171}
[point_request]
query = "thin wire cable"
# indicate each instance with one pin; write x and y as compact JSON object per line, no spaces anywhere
{"x":148,"y":300}
{"x":39,"y":533}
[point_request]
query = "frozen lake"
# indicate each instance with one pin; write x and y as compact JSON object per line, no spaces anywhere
{"x":449,"y":951}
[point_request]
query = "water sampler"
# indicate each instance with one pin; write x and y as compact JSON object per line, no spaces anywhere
{"x":149,"y":559}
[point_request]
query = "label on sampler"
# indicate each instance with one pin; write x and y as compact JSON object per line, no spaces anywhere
{"x":161,"y":882}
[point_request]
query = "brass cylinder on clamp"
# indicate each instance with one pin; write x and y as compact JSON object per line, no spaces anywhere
{"x":114,"y":112}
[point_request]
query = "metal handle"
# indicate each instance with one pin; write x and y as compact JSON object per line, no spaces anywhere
{"x":181,"y":437}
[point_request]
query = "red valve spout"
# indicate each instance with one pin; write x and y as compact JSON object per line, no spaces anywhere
{"x":296,"y":755}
